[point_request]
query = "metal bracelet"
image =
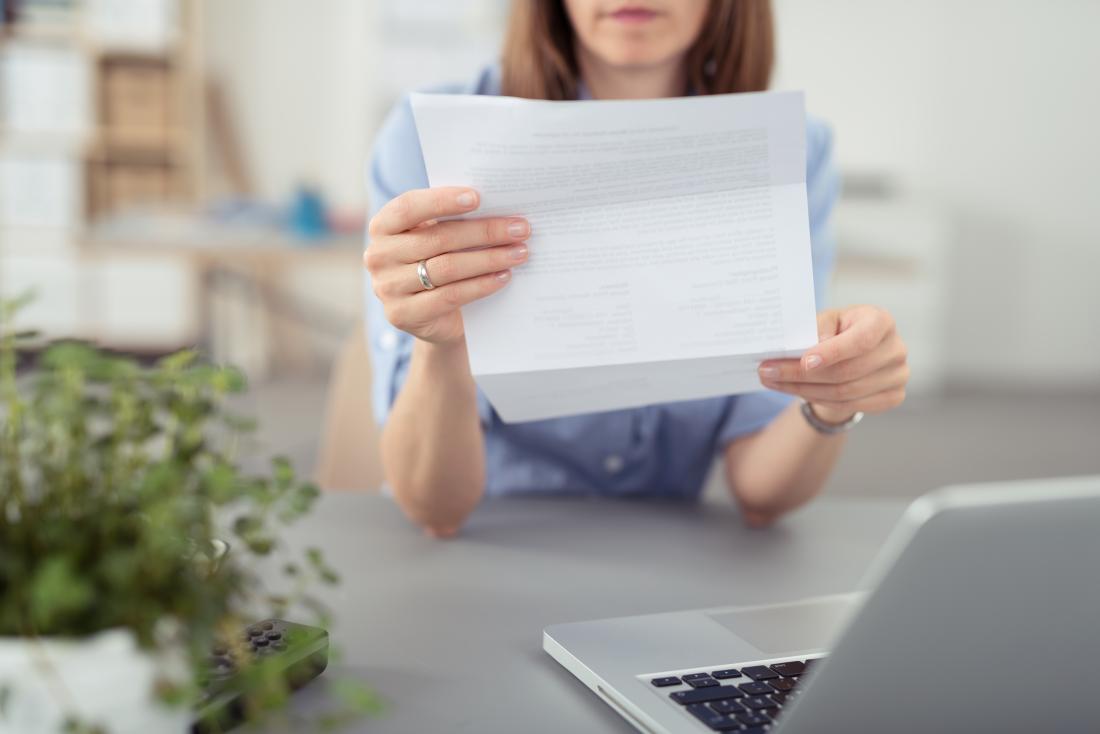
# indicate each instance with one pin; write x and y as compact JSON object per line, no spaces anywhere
{"x":829,"y":429}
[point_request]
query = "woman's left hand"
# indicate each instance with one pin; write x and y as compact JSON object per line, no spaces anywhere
{"x":859,"y":364}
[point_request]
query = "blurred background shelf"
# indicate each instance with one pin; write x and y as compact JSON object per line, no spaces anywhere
{"x":98,"y":105}
{"x":127,"y":199}
{"x":259,"y":298}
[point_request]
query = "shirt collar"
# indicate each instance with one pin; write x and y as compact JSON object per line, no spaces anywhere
{"x":583,"y":92}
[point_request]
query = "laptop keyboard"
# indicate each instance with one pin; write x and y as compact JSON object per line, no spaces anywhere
{"x":744,"y":699}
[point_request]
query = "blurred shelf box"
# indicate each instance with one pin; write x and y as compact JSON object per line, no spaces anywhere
{"x":46,"y":13}
{"x":129,"y":303}
{"x":42,"y":33}
{"x":166,"y":146}
{"x":138,"y":25}
{"x":115,"y":187}
{"x":136,"y":102}
{"x":142,"y":303}
{"x":58,"y":285}
{"x":44,"y":90}
{"x":40,"y":191}
{"x":23,"y":241}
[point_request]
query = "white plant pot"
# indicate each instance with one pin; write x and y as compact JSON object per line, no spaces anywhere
{"x":104,"y":680}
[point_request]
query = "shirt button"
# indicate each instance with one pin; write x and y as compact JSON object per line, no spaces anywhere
{"x":387,"y":340}
{"x":613,"y":464}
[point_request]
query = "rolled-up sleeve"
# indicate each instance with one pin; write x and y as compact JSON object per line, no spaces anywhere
{"x":396,"y":165}
{"x":749,"y":413}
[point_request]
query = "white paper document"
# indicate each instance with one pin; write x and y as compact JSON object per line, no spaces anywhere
{"x":669,"y":248}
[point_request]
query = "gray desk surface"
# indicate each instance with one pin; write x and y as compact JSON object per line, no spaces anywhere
{"x":449,"y":632}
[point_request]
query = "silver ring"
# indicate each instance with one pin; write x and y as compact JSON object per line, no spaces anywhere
{"x":422,"y":273}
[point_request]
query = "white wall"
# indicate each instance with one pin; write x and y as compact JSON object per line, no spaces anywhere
{"x":991,"y":109}
{"x":298,"y":77}
{"x":310,"y":81}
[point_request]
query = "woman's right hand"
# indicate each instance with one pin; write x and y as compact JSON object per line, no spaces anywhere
{"x":466,"y":260}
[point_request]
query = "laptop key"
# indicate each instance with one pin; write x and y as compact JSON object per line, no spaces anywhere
{"x":728,"y":706}
{"x":727,"y":673}
{"x":705,"y":713}
{"x":791,"y":669}
{"x":759,"y":672}
{"x":701,"y":695}
{"x":694,"y":676}
{"x":753,"y":719}
{"x":670,"y":680}
{"x":756,"y":688}
{"x":701,"y":682}
{"x":728,"y":724}
{"x":782,"y":684}
{"x":757,"y":703}
{"x":780,"y":698}
{"x":716,"y":721}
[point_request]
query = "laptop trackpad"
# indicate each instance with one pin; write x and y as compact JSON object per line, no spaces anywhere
{"x":783,"y":629}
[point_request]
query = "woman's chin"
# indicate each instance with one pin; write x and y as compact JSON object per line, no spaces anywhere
{"x":633,"y":56}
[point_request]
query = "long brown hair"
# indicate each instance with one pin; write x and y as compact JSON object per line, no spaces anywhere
{"x":734,"y":51}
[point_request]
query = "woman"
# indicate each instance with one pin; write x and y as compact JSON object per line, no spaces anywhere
{"x":443,"y":448}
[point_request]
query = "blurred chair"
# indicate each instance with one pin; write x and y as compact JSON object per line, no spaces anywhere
{"x":349,"y":457}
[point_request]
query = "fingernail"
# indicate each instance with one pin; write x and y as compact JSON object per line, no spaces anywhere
{"x":517,"y":228}
{"x":466,"y":199}
{"x":812,"y":361}
{"x":518,"y":252}
{"x":769,"y":373}
{"x":504,"y":275}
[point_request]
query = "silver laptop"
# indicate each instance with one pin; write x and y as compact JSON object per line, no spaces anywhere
{"x":981,"y":614}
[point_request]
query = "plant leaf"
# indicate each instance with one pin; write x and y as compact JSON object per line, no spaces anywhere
{"x":57,"y":591}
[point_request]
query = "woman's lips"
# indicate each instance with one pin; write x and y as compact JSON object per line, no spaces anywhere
{"x":634,"y":15}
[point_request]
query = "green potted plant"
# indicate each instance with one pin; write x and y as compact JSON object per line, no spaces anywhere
{"x":119,"y":493}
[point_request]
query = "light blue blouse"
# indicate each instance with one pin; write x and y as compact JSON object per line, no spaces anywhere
{"x":659,"y":450}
